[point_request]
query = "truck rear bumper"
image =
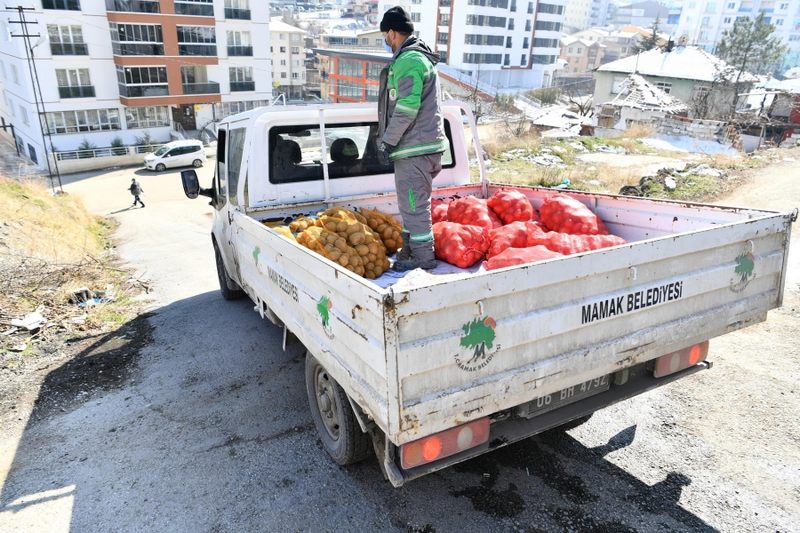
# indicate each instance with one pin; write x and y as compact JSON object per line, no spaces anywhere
{"x":640,"y":379}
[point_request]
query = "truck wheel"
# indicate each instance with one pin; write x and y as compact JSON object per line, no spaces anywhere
{"x":197,"y":163}
{"x":161,"y":167}
{"x":336,"y":424}
{"x":230,"y":290}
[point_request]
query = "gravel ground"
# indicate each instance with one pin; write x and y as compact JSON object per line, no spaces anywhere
{"x":208,"y":428}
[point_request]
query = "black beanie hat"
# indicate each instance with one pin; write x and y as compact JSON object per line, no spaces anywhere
{"x":398,"y":20}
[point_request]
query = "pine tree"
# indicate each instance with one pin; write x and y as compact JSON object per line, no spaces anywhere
{"x":649,"y":42}
{"x":751,"y":46}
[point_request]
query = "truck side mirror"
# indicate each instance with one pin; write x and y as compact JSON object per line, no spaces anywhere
{"x":191,"y":186}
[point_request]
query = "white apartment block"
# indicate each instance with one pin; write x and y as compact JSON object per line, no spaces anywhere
{"x":582,"y":14}
{"x":122,"y":69}
{"x":510,"y":45}
{"x":288,"y":54}
{"x":702,"y":23}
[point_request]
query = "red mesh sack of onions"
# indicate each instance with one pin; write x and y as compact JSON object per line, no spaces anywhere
{"x":472,"y":211}
{"x":565,"y":214}
{"x":514,"y":235}
{"x":512,"y":206}
{"x":458,"y":244}
{"x":439,"y":210}
{"x":519,"y":256}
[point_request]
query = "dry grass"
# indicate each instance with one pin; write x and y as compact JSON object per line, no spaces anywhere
{"x":38,"y":224}
{"x":638,"y":131}
{"x":51,"y":246}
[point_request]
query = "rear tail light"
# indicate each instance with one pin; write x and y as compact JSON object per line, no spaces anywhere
{"x":675,"y":361}
{"x":444,"y":444}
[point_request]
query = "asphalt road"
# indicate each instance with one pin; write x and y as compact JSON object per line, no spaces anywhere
{"x":208,"y":427}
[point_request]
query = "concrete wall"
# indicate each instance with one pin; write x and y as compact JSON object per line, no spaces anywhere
{"x":698,"y":129}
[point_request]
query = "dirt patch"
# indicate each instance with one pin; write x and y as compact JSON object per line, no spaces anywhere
{"x":77,"y":370}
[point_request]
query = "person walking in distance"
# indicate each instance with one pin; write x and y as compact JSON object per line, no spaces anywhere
{"x":136,"y":191}
{"x":411,"y":134}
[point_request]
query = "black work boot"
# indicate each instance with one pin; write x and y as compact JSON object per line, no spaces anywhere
{"x":422,"y":256}
{"x":405,"y":252}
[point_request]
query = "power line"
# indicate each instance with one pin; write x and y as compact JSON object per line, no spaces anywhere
{"x":37,"y":93}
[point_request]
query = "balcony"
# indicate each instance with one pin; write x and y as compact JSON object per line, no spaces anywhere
{"x":141,"y":49}
{"x":134,"y":6}
{"x":196,"y":49}
{"x":138,"y":91}
{"x":237,"y":86}
{"x":196,"y":9}
{"x":69,"y":49}
{"x":238,"y":14}
{"x":240,"y":50}
{"x":70,"y":5}
{"x":208,"y":87}
{"x":83,"y":91}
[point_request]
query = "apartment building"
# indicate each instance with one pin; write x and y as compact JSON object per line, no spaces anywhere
{"x":582,"y":14}
{"x":581,"y":55}
{"x":702,"y":23}
{"x":510,"y":45}
{"x":287,"y":49}
{"x":120,"y":70}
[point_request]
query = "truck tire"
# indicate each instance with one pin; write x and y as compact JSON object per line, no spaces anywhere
{"x":333,"y":416}
{"x":229,"y":289}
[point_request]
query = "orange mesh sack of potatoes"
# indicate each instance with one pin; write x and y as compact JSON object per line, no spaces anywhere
{"x":333,"y":247}
{"x":284,"y":231}
{"x":343,"y":212}
{"x":362,"y":238}
{"x":387,"y":227}
{"x":302,"y":223}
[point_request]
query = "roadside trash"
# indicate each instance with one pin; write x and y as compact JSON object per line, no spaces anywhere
{"x":32,"y":321}
{"x":84,"y":297}
{"x":670,"y":183}
{"x":609,"y":149}
{"x":564,"y":184}
{"x":19,"y":347}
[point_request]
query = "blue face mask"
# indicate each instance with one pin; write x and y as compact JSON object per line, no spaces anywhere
{"x":387,"y":47}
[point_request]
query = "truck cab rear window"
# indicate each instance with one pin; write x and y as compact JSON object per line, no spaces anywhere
{"x":295,"y":152}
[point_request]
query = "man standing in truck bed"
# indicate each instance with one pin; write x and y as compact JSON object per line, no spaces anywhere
{"x":411,"y":133}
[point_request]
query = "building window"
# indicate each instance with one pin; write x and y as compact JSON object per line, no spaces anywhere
{"x":444,"y":19}
{"x":137,"y":39}
{"x":32,"y":150}
{"x":134,"y":6}
{"x":74,"y":83}
{"x":548,"y":25}
{"x":237,"y":9}
{"x":295,"y":75}
{"x":507,"y":60}
{"x":510,"y":23}
{"x":14,"y":74}
{"x":147,"y":117}
{"x":70,"y":5}
{"x":508,"y":42}
{"x":283,"y":62}
{"x":442,"y":37}
{"x":241,"y":79}
{"x":489,"y":40}
{"x":142,"y":81}
{"x":726,"y":20}
{"x":543,"y":60}
{"x":239,"y":43}
{"x":523,"y":60}
{"x":78,"y":121}
{"x":197,"y":41}
{"x":545,"y":43}
{"x":374,"y":71}
{"x":483,"y":58}
{"x":349,"y":68}
{"x":66,"y":40}
{"x":664,"y":86}
{"x":198,"y":8}
{"x":530,"y":8}
{"x":731,"y":5}
{"x":415,"y":17}
{"x":485,"y":20}
{"x":283,"y":49}
{"x":24,"y":113}
{"x":526,"y":43}
{"x":295,"y":49}
{"x":779,"y":22}
{"x":550,"y":8}
{"x":528,"y":25}
{"x":489,"y":3}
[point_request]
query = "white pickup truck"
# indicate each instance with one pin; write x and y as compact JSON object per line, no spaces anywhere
{"x":435,"y":368}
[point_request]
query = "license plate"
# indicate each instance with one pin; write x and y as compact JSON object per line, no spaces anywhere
{"x":548,"y":402}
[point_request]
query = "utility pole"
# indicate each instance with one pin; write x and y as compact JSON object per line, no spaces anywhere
{"x":38,"y":97}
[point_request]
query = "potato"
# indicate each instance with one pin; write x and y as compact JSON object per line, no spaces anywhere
{"x":284,"y":231}
{"x":357,"y":238}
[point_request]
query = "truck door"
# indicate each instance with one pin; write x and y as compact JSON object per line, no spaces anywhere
{"x":227,"y":203}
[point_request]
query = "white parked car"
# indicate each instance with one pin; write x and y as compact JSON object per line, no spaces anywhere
{"x":176,"y":154}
